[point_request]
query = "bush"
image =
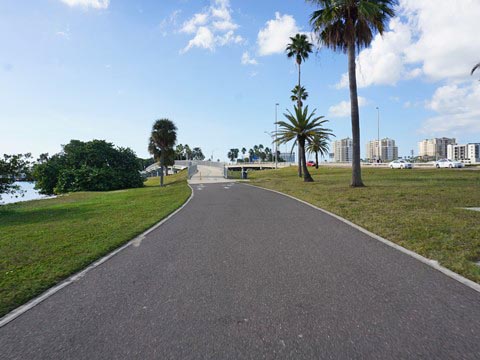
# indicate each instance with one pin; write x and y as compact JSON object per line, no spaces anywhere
{"x":88,"y":166}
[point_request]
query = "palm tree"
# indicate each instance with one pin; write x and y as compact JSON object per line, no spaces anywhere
{"x":301,"y":127}
{"x":243,"y":153}
{"x":162,"y":141}
{"x":475,"y":68}
{"x":347,"y":25}
{"x":319,"y":144}
{"x":296,"y":92}
{"x":299,"y":48}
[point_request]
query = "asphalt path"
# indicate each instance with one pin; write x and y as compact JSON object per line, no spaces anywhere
{"x":243,"y":273}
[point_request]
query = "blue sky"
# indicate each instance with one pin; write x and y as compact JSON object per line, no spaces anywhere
{"x":85,"y":69}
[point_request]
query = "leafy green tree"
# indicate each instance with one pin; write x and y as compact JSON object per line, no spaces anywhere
{"x":12,"y":167}
{"x":188,"y":152}
{"x":301,"y":127}
{"x":251,"y":154}
{"x":348,"y":25}
{"x":162,"y":141}
{"x":296,"y":92}
{"x":88,"y":166}
{"x":197,"y":154}
{"x":233,"y":154}
{"x":179,"y":152}
{"x":318,"y":145}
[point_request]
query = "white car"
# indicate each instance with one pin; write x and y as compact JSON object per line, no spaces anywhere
{"x":400,"y":164}
{"x":445,"y":163}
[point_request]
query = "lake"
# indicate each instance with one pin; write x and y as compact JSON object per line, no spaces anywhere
{"x":29,"y":194}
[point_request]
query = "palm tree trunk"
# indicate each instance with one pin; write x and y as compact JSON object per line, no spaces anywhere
{"x":299,"y":105}
{"x":356,"y":169}
{"x":301,"y":148}
{"x":162,"y":161}
{"x":316,"y":159}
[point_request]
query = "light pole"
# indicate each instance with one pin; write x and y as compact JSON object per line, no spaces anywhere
{"x":276,"y":130}
{"x":378,"y":133}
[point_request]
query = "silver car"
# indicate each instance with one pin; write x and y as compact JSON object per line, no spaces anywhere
{"x":446,"y":163}
{"x":400,"y":164}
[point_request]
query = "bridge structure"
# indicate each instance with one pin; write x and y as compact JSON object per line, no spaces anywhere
{"x":212,"y":171}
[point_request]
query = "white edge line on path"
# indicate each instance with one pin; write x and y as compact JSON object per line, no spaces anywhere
{"x":432,"y":263}
{"x":71,"y":279}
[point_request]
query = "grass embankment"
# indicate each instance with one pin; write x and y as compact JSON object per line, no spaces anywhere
{"x":420,"y":210}
{"x":43,"y":242}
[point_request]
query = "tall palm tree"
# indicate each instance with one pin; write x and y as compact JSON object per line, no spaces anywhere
{"x":347,"y":25}
{"x":318,"y":145}
{"x":296,"y":92}
{"x":301,"y":127}
{"x":162,"y":141}
{"x":475,"y":68}
{"x":299,"y":48}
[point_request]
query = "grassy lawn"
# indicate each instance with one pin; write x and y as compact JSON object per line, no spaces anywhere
{"x":45,"y":241}
{"x":417,"y":209}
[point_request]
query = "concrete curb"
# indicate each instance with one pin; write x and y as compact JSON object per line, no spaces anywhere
{"x":75,"y":277}
{"x":432,"y":263}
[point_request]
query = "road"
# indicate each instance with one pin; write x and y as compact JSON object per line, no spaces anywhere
{"x":243,"y":273}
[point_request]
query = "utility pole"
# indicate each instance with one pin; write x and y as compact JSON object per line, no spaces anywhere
{"x":378,"y":133}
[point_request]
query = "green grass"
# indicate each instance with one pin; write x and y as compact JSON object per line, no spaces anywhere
{"x":43,"y":242}
{"x":417,"y":209}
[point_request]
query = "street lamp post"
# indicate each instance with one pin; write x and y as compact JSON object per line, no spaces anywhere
{"x":276,"y":130}
{"x":378,"y":133}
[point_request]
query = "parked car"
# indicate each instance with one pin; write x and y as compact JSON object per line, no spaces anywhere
{"x":446,"y":163}
{"x":400,"y":164}
{"x":311,"y":163}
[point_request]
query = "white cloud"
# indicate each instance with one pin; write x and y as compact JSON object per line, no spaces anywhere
{"x":247,"y":60}
{"x":191,"y":26}
{"x":274,"y":37}
{"x":458,"y":110}
{"x":383,"y":62}
{"x":435,"y":39}
{"x":169,"y":22}
{"x":342,"y":109}
{"x":203,"y":39}
{"x":213,"y":27}
{"x":96,"y":4}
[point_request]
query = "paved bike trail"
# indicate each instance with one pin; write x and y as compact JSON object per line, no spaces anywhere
{"x":243,"y":273}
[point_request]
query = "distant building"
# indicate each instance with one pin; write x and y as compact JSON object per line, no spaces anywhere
{"x":434,"y":149}
{"x":469,"y":153}
{"x":385,"y":151}
{"x":288,"y":157}
{"x":343,"y":150}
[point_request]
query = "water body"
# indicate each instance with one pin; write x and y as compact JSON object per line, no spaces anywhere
{"x":29,"y":193}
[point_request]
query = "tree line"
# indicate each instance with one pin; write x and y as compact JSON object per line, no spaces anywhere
{"x":257,"y":152}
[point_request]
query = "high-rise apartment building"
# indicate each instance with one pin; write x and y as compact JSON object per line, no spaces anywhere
{"x":469,"y":152}
{"x":343,"y":150}
{"x":385,"y":150}
{"x":435,"y":148}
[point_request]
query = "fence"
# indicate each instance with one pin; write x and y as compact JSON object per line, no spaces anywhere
{"x":192,"y":170}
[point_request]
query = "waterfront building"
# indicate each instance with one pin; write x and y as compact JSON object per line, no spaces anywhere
{"x":469,"y":153}
{"x":343,"y":150}
{"x":385,"y":150}
{"x":434,"y":149}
